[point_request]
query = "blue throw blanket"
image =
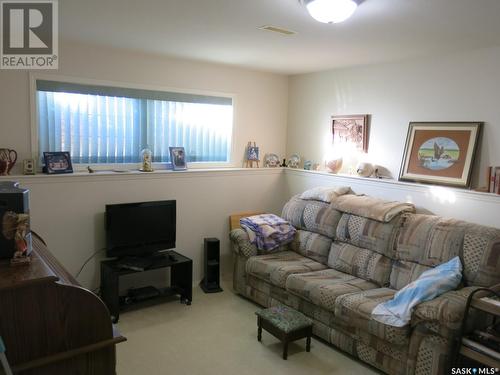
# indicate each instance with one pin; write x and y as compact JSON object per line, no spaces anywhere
{"x":431,"y":284}
{"x":268,"y":231}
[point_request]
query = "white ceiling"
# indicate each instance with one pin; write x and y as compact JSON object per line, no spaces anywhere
{"x":226,"y":31}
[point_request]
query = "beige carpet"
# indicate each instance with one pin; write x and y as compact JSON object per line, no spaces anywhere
{"x":217,"y":335}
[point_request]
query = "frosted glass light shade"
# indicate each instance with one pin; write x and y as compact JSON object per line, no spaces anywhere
{"x":331,"y":11}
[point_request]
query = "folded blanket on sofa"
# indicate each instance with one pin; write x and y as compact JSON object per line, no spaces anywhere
{"x":370,"y":207}
{"x":268,"y":231}
{"x":431,"y":284}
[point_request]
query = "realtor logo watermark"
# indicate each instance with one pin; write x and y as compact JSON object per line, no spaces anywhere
{"x":29,"y":34}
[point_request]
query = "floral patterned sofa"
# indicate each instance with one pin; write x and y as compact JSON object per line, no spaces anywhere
{"x":347,"y":258}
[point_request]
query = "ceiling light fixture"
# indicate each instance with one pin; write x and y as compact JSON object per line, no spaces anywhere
{"x":331,"y":11}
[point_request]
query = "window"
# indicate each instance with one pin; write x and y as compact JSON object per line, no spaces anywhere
{"x":100,"y":124}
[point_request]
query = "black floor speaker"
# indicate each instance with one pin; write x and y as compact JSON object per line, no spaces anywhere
{"x":211,"y":281}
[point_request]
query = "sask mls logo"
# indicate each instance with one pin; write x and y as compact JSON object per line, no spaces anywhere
{"x":29,"y":34}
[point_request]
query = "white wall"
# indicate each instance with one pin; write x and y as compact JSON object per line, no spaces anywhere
{"x":68,"y":211}
{"x":460,"y":87}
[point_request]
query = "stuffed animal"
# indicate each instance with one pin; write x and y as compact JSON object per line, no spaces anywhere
{"x":365,"y":169}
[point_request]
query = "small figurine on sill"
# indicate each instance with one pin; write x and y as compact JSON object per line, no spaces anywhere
{"x":365,"y":169}
{"x":147,"y":160}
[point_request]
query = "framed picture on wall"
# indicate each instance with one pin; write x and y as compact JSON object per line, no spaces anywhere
{"x":440,"y":153}
{"x":351,"y":130}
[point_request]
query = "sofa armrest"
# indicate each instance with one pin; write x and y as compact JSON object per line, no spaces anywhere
{"x":447,"y":310}
{"x":241,"y":243}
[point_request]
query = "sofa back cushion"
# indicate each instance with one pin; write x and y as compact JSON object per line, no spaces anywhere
{"x":403,"y":273}
{"x":363,"y":263}
{"x":369,"y":234}
{"x":311,"y":215}
{"x":312,"y":245}
{"x":428,"y":240}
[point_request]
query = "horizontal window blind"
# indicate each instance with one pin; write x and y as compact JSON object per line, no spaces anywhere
{"x":114,"y":128}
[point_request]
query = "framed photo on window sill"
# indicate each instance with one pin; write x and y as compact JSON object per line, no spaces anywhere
{"x":57,"y":162}
{"x":178,"y":158}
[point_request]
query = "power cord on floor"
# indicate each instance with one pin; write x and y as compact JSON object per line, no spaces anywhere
{"x":88,"y":260}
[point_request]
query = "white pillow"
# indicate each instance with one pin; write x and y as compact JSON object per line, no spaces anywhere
{"x":325,"y":193}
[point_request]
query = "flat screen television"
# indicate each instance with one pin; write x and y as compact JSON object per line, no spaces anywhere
{"x":140,"y":229}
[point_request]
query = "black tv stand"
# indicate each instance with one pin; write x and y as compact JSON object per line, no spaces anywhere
{"x":181,"y":276}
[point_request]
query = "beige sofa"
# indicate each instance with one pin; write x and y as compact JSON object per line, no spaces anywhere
{"x":351,"y":255}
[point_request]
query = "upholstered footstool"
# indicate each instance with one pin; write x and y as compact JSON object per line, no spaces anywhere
{"x":285,"y":324}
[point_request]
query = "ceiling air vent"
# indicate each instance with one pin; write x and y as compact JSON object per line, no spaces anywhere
{"x":276,"y":29}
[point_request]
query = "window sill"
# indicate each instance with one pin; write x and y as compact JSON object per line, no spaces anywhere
{"x":137,"y":175}
{"x":133,"y":167}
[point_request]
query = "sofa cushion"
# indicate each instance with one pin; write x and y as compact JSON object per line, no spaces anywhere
{"x":323,"y":287}
{"x":404,"y":273}
{"x":359,"y":262}
{"x":431,"y":240}
{"x":314,"y":216}
{"x":275,"y":268}
{"x":430,"y":284}
{"x":355,"y":310}
{"x":312,"y":245}
{"x":370,"y":234}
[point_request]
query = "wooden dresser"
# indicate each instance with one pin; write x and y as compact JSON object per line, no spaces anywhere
{"x":50,"y":324}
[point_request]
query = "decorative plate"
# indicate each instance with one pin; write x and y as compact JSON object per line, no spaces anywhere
{"x":271,"y":161}
{"x":294,"y":161}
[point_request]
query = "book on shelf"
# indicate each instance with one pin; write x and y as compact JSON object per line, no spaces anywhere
{"x":494,"y":179}
{"x":491,"y":180}
{"x":497,"y":180}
